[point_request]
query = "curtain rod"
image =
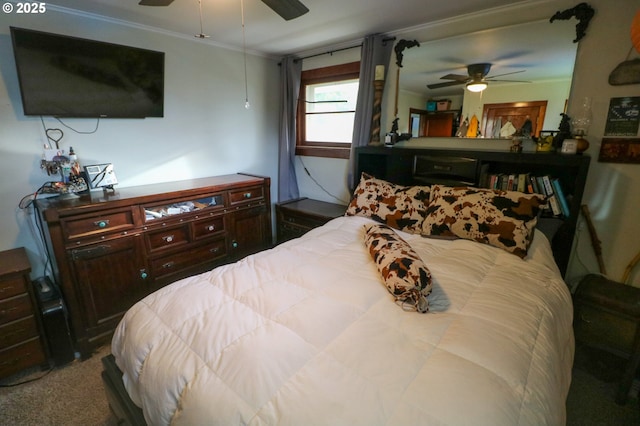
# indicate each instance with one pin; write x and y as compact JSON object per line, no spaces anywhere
{"x":331,"y":52}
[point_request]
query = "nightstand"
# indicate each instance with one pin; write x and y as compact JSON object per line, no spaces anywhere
{"x":296,"y":217}
{"x":21,"y":343}
{"x":607,"y":317}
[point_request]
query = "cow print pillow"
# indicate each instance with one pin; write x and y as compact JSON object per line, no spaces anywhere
{"x":504,"y":219}
{"x":405,"y":275}
{"x":400,"y":207}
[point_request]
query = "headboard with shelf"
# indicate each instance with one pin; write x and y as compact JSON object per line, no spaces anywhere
{"x":455,"y":167}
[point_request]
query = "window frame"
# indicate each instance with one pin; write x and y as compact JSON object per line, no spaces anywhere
{"x":328,"y":74}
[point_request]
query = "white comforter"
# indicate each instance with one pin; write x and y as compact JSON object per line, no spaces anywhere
{"x":307,"y":334}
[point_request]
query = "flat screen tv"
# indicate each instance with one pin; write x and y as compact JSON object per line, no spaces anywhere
{"x":65,"y":76}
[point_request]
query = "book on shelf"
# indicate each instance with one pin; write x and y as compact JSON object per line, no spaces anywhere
{"x":559,"y":193}
{"x":551,"y":196}
{"x":549,"y":187}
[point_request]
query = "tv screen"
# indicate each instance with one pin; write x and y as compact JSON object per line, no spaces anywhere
{"x":66,"y":76}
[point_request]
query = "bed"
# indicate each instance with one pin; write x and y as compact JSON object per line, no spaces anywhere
{"x":311,"y":332}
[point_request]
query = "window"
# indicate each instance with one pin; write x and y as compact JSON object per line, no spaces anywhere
{"x":326,"y":110}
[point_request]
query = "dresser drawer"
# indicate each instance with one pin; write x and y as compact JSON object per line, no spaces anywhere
{"x":12,"y":286}
{"x":246,"y":195}
{"x":15,"y":308}
{"x":17,"y":331}
{"x":19,"y":357}
{"x":99,"y":224}
{"x":178,"y":262}
{"x":204,"y":228}
{"x":167,"y":238}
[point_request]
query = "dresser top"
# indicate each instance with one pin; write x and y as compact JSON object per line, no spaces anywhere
{"x":145,"y":193}
{"x":14,"y":261}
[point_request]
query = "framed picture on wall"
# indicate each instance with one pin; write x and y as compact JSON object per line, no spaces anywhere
{"x":619,"y":150}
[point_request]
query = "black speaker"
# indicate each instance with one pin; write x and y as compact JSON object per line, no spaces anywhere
{"x":54,"y":320}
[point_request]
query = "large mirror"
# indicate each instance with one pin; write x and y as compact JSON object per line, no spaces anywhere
{"x":539,"y":55}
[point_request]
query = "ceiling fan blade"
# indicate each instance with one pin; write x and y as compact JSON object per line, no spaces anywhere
{"x":507,"y":73}
{"x":446,"y":84}
{"x":155,"y":2}
{"x":288,"y":9}
{"x":510,"y":81}
{"x":457,"y":77}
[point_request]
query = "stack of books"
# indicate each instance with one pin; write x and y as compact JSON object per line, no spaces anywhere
{"x":527,"y":183}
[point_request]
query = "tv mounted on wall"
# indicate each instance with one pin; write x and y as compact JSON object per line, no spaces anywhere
{"x":65,"y":76}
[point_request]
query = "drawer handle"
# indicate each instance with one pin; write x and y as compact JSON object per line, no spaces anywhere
{"x":234,"y":244}
{"x":2,"y":290}
{"x":441,"y":167}
{"x":101,"y":223}
{"x":168,"y":265}
{"x":214,"y":250}
{"x":247,"y":195}
{"x":143,"y":274}
{"x":210,"y":228}
{"x":168,"y":238}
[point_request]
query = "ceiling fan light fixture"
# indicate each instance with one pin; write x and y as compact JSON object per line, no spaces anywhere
{"x":476,"y":86}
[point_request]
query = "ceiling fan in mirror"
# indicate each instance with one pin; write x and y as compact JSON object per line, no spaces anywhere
{"x":287,"y":9}
{"x":476,"y":79}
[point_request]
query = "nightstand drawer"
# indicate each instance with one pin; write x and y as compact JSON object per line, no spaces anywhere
{"x":296,"y":217}
{"x":15,"y":308}
{"x":17,"y":331}
{"x":21,"y":356}
{"x":12,"y":287}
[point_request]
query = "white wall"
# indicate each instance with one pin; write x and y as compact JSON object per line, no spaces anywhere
{"x":613,"y":190}
{"x":205,"y":131}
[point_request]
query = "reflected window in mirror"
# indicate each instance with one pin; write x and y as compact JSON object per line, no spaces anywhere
{"x":326,"y":110}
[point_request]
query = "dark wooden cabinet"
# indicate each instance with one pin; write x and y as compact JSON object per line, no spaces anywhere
{"x":112,"y":249}
{"x":426,"y":166}
{"x":21,"y":336}
{"x":296,"y":217}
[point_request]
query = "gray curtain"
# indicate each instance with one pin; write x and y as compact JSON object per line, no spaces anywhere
{"x":290,"y":72}
{"x":375,"y":51}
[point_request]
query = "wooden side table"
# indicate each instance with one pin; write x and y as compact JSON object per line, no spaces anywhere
{"x":298,"y":216}
{"x":607,"y":317}
{"x":21,"y":337}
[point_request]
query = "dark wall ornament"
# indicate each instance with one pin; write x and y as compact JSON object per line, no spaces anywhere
{"x":582,"y":12}
{"x":400,"y":46}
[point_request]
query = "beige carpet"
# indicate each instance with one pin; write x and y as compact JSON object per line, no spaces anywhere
{"x":70,"y":395}
{"x":74,"y":395}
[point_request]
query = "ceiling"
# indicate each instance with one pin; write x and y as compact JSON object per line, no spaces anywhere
{"x":340,"y":23}
{"x":328,"y":22}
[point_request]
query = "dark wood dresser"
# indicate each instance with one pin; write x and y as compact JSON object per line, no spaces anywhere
{"x":21,"y":337}
{"x":112,"y":249}
{"x":296,"y":217}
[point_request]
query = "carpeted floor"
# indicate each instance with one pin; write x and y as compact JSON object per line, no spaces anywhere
{"x":74,"y":395}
